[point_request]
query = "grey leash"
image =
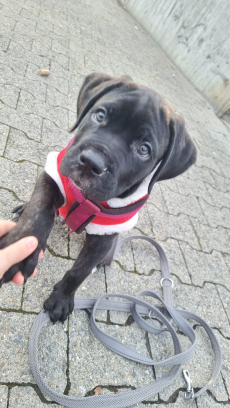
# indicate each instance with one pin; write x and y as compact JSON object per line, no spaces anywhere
{"x":138,"y":308}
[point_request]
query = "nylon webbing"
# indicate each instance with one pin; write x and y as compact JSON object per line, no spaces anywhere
{"x":138,"y":308}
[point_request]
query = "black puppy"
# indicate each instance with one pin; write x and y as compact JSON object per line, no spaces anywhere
{"x":127,"y":138}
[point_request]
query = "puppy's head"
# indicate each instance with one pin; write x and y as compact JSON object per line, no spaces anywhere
{"x":123,"y":131}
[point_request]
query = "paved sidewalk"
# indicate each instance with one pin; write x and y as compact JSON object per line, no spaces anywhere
{"x":189,"y":216}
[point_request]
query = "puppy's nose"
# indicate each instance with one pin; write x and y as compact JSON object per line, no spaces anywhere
{"x":92,"y":161}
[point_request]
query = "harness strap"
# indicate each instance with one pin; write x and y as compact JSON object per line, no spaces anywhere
{"x":138,"y":308}
{"x":83,"y":211}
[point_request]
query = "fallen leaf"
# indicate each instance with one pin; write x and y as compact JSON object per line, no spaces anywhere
{"x":69,"y":95}
{"x":82,"y":28}
{"x":97,"y":390}
{"x":197,"y":141}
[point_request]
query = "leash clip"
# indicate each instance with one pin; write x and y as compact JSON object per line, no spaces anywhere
{"x":189,"y":393}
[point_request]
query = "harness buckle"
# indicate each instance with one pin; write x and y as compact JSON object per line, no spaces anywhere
{"x":189,"y":393}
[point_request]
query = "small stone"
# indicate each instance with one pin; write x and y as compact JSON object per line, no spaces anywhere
{"x":44,"y":72}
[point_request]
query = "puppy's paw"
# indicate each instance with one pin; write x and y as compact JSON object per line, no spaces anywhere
{"x":17,"y":211}
{"x":59,"y":306}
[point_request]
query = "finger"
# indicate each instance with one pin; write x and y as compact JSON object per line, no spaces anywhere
{"x":18,"y":279}
{"x":41,"y":254}
{"x":16,"y":252}
{"x":6,"y":226}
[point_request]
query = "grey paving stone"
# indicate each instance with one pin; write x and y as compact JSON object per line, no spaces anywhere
{"x":212,"y":238}
{"x":200,"y":366}
{"x":4,"y":134}
{"x":224,"y":293}
{"x":216,"y":216}
{"x":17,"y":51}
{"x":197,"y":188}
{"x":53,"y":136}
{"x":205,"y":267}
{"x":203,"y":301}
{"x":55,"y":98}
{"x":200,"y":173}
{"x":225,"y":169}
{"x":4,"y":43}
{"x":120,"y":281}
{"x":58,"y":239}
{"x":29,"y":105}
{"x":37,"y":289}
{"x":209,"y":162}
{"x":179,"y":204}
{"x":11,"y":66}
{"x":144,"y":220}
{"x":35,"y":87}
{"x":176,"y":260}
{"x":179,"y":403}
{"x":21,"y":397}
{"x":92,"y":364}
{"x":14,"y":336}
{"x":157,"y":198}
{"x":11,"y":296}
{"x":171,"y":184}
{"x":9,"y":95}
{"x":207,"y":401}
{"x":125,"y":257}
{"x":7,"y":203}
{"x":50,"y":270}
{"x":3,"y":396}
{"x":14,"y":351}
{"x":30,"y":124}
{"x":165,"y":226}
{"x":53,"y":355}
{"x":23,"y":185}
{"x":225,"y":371}
{"x":220,"y":199}
{"x":15,"y":148}
{"x":220,"y":183}
{"x":59,"y":83}
{"x":76,"y":242}
{"x":7,"y":21}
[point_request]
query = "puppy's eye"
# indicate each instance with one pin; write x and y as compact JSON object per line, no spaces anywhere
{"x":99,"y":115}
{"x":144,"y":150}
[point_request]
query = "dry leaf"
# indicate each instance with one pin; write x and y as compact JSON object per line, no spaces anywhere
{"x":82,"y":28}
{"x":69,"y":95}
{"x":97,"y":390}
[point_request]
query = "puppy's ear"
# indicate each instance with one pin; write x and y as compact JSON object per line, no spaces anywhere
{"x":94,"y":87}
{"x":181,"y":152}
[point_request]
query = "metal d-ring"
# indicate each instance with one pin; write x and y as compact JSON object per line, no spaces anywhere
{"x":161,"y":281}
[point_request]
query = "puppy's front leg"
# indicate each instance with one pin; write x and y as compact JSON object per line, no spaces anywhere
{"x":61,"y":300}
{"x":37,"y":219}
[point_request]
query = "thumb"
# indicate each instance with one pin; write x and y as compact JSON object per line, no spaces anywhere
{"x":16,"y":252}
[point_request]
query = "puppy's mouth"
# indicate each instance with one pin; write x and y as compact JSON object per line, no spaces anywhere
{"x":94,"y":188}
{"x":91,"y":170}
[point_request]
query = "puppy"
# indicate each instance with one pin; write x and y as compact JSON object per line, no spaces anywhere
{"x":126,"y":139}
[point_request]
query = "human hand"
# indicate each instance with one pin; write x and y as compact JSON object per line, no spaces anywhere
{"x":16,"y":252}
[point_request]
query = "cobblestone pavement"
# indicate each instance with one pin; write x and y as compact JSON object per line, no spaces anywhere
{"x":189,"y":216}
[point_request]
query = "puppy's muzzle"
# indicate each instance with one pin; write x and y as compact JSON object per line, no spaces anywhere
{"x":92,"y":162}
